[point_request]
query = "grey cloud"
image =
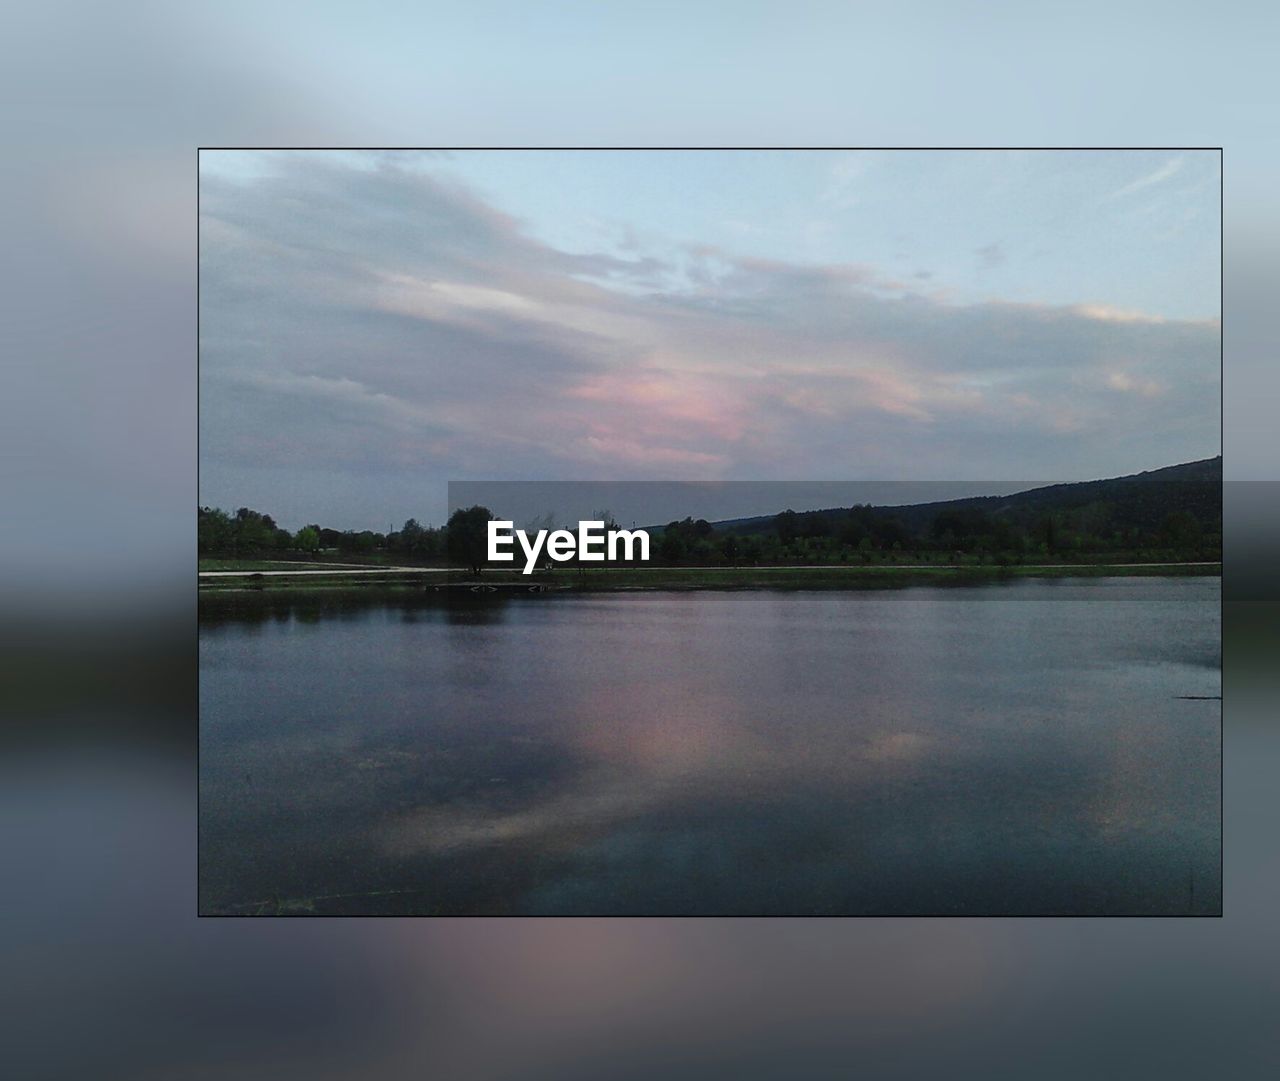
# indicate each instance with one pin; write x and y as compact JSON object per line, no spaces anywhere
{"x":382,"y":323}
{"x":990,"y":256}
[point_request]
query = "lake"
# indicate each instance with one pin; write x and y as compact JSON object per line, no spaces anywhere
{"x":1033,"y":747}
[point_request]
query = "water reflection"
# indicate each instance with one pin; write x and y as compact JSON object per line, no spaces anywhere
{"x":922,"y":751}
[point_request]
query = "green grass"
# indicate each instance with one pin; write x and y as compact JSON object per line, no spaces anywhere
{"x":240,"y":565}
{"x":285,"y":561}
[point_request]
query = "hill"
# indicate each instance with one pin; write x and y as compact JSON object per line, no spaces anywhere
{"x":1175,"y":512}
{"x":1138,"y":501}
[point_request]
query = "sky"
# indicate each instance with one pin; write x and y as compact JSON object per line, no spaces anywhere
{"x":376,"y":324}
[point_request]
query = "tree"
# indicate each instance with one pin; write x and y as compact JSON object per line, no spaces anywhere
{"x":671,"y":546}
{"x":467,"y":536}
{"x":409,"y":534}
{"x":605,"y":515}
{"x":1047,"y":532}
{"x":251,"y":531}
{"x":214,"y":531}
{"x":308,"y":538}
{"x":1180,"y":530}
{"x":787,"y":525}
{"x":853,"y":530}
{"x":414,"y":539}
{"x":890,"y":532}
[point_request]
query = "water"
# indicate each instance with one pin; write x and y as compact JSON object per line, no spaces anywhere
{"x":999,"y":749}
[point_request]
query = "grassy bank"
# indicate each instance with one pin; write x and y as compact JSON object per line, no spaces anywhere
{"x":682,"y":578}
{"x":217,"y":563}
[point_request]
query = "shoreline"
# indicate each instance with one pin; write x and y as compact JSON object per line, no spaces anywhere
{"x":669,"y":579}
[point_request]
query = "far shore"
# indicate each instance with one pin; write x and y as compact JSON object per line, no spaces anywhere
{"x":276,"y":576}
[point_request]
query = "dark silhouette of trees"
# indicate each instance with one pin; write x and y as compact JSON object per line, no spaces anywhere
{"x":467,"y":532}
{"x":1180,"y":529}
{"x":249,"y":533}
{"x":1155,"y":520}
{"x":787,"y":526}
{"x":687,"y":541}
{"x":214,"y":530}
{"x":671,"y":547}
{"x":854,"y":529}
{"x":245,"y":533}
{"x":415,"y":541}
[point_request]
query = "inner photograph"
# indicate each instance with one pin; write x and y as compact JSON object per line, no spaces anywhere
{"x":709,"y":532}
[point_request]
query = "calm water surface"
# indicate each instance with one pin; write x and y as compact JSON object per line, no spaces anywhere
{"x":998,"y":749}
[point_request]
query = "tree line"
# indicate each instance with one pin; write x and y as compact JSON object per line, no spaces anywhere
{"x":863,"y":534}
{"x":946,"y":534}
{"x":248,"y":533}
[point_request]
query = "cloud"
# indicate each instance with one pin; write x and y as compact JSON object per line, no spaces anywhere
{"x":369,"y":333}
{"x":841,"y":190}
{"x":1127,"y":384}
{"x":990,"y":256}
{"x":1159,"y":175}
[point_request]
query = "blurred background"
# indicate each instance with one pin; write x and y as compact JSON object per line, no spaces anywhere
{"x":109,"y":974}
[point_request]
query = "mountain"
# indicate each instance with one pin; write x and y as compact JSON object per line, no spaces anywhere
{"x":1139,"y":502}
